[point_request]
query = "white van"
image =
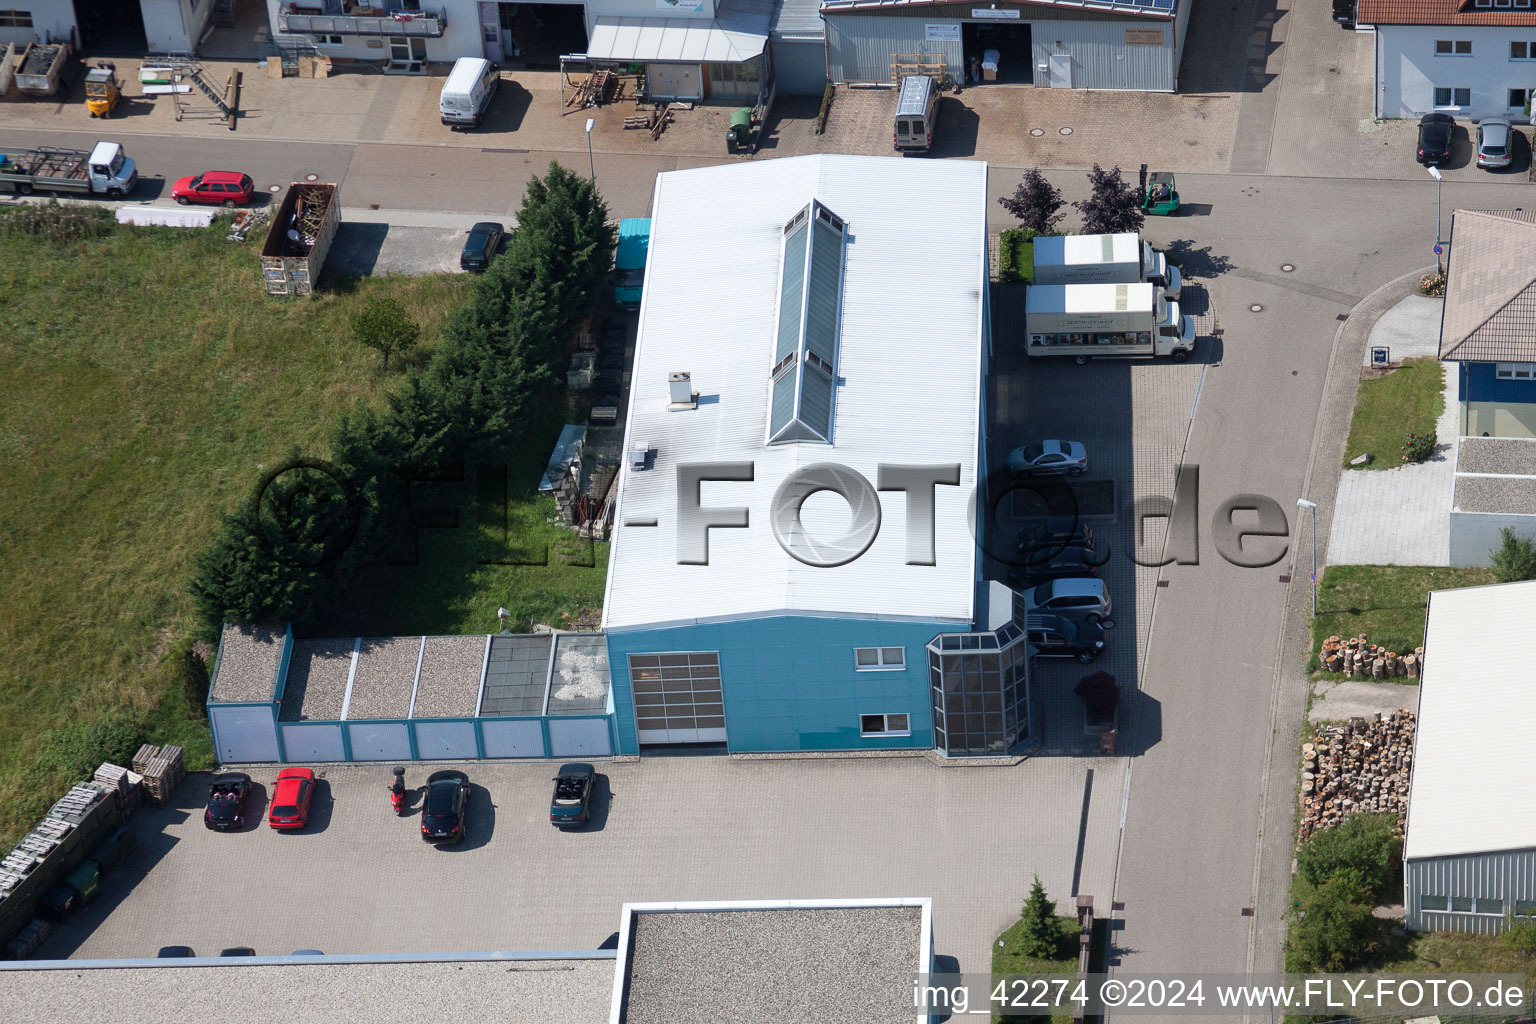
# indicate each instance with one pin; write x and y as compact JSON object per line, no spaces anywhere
{"x":468,"y":91}
{"x":917,"y":113}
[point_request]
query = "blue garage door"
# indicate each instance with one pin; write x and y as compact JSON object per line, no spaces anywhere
{"x":579,"y":737}
{"x":446,"y":741}
{"x":519,"y":738}
{"x":379,"y":741}
{"x":244,"y":734}
{"x":312,"y":742}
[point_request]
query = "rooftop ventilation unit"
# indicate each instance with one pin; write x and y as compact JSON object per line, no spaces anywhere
{"x":639,"y":454}
{"x":680,"y":391}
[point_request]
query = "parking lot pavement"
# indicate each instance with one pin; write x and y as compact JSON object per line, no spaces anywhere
{"x":359,"y":880}
{"x":1133,"y":417}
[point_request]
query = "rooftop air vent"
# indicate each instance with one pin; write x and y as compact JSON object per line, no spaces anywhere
{"x":639,"y":454}
{"x":680,"y":391}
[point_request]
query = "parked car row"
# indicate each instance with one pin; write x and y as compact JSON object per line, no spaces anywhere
{"x":1493,"y":140}
{"x":444,"y":806}
{"x":187,"y":952}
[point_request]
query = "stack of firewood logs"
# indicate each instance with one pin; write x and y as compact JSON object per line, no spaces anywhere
{"x":1360,"y":767}
{"x":1355,"y":656}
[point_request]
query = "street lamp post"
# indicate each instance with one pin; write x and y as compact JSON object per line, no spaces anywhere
{"x":593,"y":174}
{"x":1304,"y":503}
{"x":1434,"y":172}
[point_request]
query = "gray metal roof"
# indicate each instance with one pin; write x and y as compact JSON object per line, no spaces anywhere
{"x":507,"y":987}
{"x":517,"y":675}
{"x":1496,"y":475}
{"x":798,"y":19}
{"x":249,"y":654}
{"x":775,"y":963}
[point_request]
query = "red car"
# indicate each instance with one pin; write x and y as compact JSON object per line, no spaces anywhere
{"x":222,"y":188}
{"x":291,"y":794}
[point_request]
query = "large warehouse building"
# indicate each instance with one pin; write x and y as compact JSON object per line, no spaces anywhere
{"x":1469,"y":858}
{"x":1062,"y":44}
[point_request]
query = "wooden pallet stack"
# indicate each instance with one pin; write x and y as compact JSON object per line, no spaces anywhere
{"x":124,"y":785}
{"x":162,"y":769}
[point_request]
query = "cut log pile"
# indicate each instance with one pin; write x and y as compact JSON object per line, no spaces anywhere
{"x":1356,"y":656}
{"x":1361,"y":767}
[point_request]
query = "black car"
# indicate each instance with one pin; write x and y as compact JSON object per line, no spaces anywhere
{"x":442,"y":812}
{"x":238,"y":951}
{"x":1063,"y":531}
{"x":1344,"y":12}
{"x":1054,"y":636}
{"x":175,"y":953}
{"x":572,"y":802}
{"x":226,"y":801}
{"x":481,"y":245}
{"x":1050,"y":563}
{"x":1435,"y":134}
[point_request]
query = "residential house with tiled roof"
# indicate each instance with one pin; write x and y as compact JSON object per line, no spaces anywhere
{"x":1470,"y":58}
{"x":1488,"y":333}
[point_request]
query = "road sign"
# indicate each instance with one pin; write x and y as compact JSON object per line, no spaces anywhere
{"x":1439,"y":248}
{"x":1381,"y":355}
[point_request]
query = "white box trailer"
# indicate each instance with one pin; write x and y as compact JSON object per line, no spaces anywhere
{"x":1103,"y":259}
{"x":1105,"y":321}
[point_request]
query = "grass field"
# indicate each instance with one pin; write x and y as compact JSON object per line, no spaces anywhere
{"x":1409,"y":399}
{"x":152,"y":380}
{"x":1385,"y":602}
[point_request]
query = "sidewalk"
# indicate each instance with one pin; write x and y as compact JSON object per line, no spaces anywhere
{"x":1401,"y":516}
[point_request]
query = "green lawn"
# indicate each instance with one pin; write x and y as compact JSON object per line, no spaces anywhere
{"x":1016,"y":259}
{"x":1409,"y":399}
{"x":1385,"y":602}
{"x":152,"y":380}
{"x":1009,"y":959}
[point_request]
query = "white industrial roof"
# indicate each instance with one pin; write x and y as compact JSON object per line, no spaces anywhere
{"x":736,"y":34}
{"x":1474,"y":780}
{"x":909,"y":369}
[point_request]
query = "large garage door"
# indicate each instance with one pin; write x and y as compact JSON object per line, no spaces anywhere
{"x":678,"y":697}
{"x":800,"y":67}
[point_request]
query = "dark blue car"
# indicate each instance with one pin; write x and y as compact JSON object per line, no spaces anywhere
{"x":571,"y":806}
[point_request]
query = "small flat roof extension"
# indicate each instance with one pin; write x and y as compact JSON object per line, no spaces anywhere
{"x":317,"y":680}
{"x":249,"y":655}
{"x":1496,"y":475}
{"x":822,"y":960}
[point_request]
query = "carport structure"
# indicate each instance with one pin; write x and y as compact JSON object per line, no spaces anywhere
{"x":275,"y":698}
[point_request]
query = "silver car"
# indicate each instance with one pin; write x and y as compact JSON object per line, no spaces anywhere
{"x":1494,"y":135}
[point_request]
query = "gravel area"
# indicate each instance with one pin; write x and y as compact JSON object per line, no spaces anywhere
{"x":317,"y":680}
{"x":248,"y":660}
{"x":450,"y":677}
{"x":386,"y":672}
{"x":1497,"y":455}
{"x":1495,"y":494}
{"x":541,"y":990}
{"x":833,"y":965}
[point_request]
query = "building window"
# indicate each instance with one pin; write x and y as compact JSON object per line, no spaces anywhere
{"x":1433,"y":903}
{"x":1453,"y":47}
{"x":1451,"y":97}
{"x":1525,"y":908}
{"x":1514,"y":371}
{"x":1522,"y":50}
{"x":1490,"y":906}
{"x":879,"y":659}
{"x":328,"y":40}
{"x":1517,"y":98}
{"x":884,"y":725}
{"x":1461,"y":904}
{"x":15,"y":19}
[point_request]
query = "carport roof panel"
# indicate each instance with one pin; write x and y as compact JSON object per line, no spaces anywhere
{"x":1161,"y":9}
{"x":798,"y":19}
{"x":734,"y":37}
{"x":580,"y":680}
{"x":516,"y":675}
{"x":1497,"y":495}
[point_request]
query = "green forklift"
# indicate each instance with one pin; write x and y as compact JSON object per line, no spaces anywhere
{"x":1159,"y":196}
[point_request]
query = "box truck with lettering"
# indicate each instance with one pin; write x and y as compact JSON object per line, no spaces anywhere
{"x":1103,"y":259}
{"x":1105,"y":321}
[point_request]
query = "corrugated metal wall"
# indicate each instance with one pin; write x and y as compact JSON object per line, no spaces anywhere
{"x":859,"y":46}
{"x":1508,"y":876}
{"x":1180,"y":31}
{"x":859,"y":49}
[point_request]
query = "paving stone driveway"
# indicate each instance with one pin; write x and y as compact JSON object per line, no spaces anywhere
{"x":359,"y":880}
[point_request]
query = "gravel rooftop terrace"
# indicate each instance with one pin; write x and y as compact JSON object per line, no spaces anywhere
{"x":317,"y":680}
{"x":386,"y":673}
{"x":450,"y":677}
{"x":248,"y":659}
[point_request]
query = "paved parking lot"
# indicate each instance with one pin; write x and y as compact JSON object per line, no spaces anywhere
{"x":359,"y":880}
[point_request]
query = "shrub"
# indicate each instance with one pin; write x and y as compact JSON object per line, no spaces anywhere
{"x":1036,"y":203}
{"x":1520,"y":935}
{"x":1365,"y":844}
{"x":75,"y":751}
{"x":1418,"y":447}
{"x":1039,"y":937}
{"x":57,"y":223}
{"x":1432,"y":285}
{"x":1333,"y":928}
{"x":1114,"y":205}
{"x":826,"y":108}
{"x":1514,"y":559}
{"x":1008,"y":270}
{"x":1101,"y":693}
{"x":387,"y":328}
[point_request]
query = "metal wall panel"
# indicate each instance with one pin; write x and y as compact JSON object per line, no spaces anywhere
{"x":1508,"y":876}
{"x":307,"y":741}
{"x":800,"y":67}
{"x":859,"y":46}
{"x":445,"y":741}
{"x":512,"y":738}
{"x":243,"y":735}
{"x":379,"y":741}
{"x":579,"y":737}
{"x":1180,"y":31}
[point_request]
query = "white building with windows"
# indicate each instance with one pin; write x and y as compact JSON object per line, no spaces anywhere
{"x":38,"y":21}
{"x":1469,"y":58}
{"x":1469,"y":857}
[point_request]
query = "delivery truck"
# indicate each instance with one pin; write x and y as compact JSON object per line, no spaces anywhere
{"x":1103,"y":259}
{"x":1105,"y":321}
{"x":104,"y":170}
{"x":300,"y":236}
